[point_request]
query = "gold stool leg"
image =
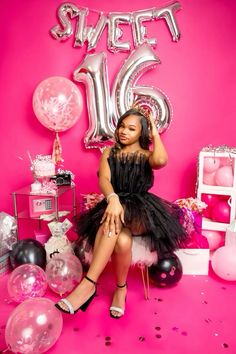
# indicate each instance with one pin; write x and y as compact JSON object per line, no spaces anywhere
{"x":145,"y":279}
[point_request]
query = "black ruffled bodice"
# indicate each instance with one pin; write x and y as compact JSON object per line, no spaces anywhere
{"x":130,"y":173}
{"x":145,"y":213}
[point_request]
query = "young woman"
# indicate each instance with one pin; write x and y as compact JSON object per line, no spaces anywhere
{"x":128,"y":210}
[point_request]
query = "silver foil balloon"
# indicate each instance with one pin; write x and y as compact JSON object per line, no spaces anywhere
{"x":168,"y":14}
{"x":64,"y":30}
{"x":96,"y":32}
{"x":80,"y":34}
{"x":155,"y":102}
{"x":125,"y":92}
{"x":115,"y":32}
{"x":139,"y":31}
{"x":93,"y":73}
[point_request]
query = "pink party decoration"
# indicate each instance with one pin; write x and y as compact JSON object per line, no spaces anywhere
{"x":224,"y":263}
{"x":57,"y":103}
{"x":209,"y":178}
{"x":215,"y":238}
{"x":210,"y":200}
{"x":64,"y":272}
{"x":27,"y":281}
{"x":211,"y":164}
{"x":225,"y":161}
{"x":221,"y":212}
{"x":224,"y":176}
{"x":33,"y":327}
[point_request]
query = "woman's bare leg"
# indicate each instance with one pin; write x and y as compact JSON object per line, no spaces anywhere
{"x":121,"y":260}
{"x":103,"y":250}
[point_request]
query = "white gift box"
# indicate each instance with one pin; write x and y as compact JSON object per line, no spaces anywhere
{"x":194,"y":260}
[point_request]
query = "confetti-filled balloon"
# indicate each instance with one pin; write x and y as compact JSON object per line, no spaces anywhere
{"x":33,"y":327}
{"x":27,"y":281}
{"x":57,"y":103}
{"x":64,"y":272}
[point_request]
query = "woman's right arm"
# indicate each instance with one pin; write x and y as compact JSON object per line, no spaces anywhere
{"x":114,"y":213}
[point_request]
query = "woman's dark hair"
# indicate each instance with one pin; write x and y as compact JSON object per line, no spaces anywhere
{"x":144,"y":139}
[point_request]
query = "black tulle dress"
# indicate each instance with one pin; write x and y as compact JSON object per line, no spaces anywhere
{"x":145,"y":213}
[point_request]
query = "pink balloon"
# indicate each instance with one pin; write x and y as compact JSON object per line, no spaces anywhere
{"x":215,"y":238}
{"x":57,"y":103}
{"x":209,"y":178}
{"x":210,"y":200}
{"x":27,"y":281}
{"x":64,"y":272}
{"x":224,"y":262}
{"x":211,"y":164}
{"x":225,"y":161}
{"x":224,"y":176}
{"x":33,"y":327}
{"x":221,"y":212}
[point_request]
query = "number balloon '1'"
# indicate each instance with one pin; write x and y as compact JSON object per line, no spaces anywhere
{"x":57,"y":103}
{"x":104,"y":110}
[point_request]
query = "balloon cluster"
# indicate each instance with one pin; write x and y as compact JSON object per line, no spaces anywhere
{"x":91,"y":35}
{"x":218,"y":207}
{"x":218,"y":171}
{"x":28,"y":279}
{"x":35,"y":325}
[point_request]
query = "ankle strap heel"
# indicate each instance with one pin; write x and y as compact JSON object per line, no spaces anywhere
{"x":121,"y":286}
{"x":91,"y":281}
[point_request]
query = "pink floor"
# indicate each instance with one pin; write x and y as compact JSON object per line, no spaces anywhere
{"x":197,"y":316}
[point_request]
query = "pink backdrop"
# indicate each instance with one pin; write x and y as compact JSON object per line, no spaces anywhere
{"x":197,"y":74}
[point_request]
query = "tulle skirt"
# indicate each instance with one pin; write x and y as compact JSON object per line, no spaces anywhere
{"x":157,"y":220}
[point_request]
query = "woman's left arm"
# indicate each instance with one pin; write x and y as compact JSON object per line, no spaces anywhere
{"x":158,"y":157}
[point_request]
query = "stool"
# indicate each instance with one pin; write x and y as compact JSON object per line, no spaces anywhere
{"x":142,"y":257}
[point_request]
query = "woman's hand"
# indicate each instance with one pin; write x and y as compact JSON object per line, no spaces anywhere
{"x":153,"y":128}
{"x":113,"y":217}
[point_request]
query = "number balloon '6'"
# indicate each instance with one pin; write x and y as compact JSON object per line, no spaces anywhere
{"x":105,"y":110}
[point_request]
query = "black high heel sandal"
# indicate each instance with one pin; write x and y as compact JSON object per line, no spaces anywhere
{"x":83,"y":307}
{"x":118,"y":309}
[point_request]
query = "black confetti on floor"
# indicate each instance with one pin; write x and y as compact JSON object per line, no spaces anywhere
{"x":107,"y":340}
{"x":158,"y":328}
{"x":141,"y":339}
{"x":225,"y":345}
